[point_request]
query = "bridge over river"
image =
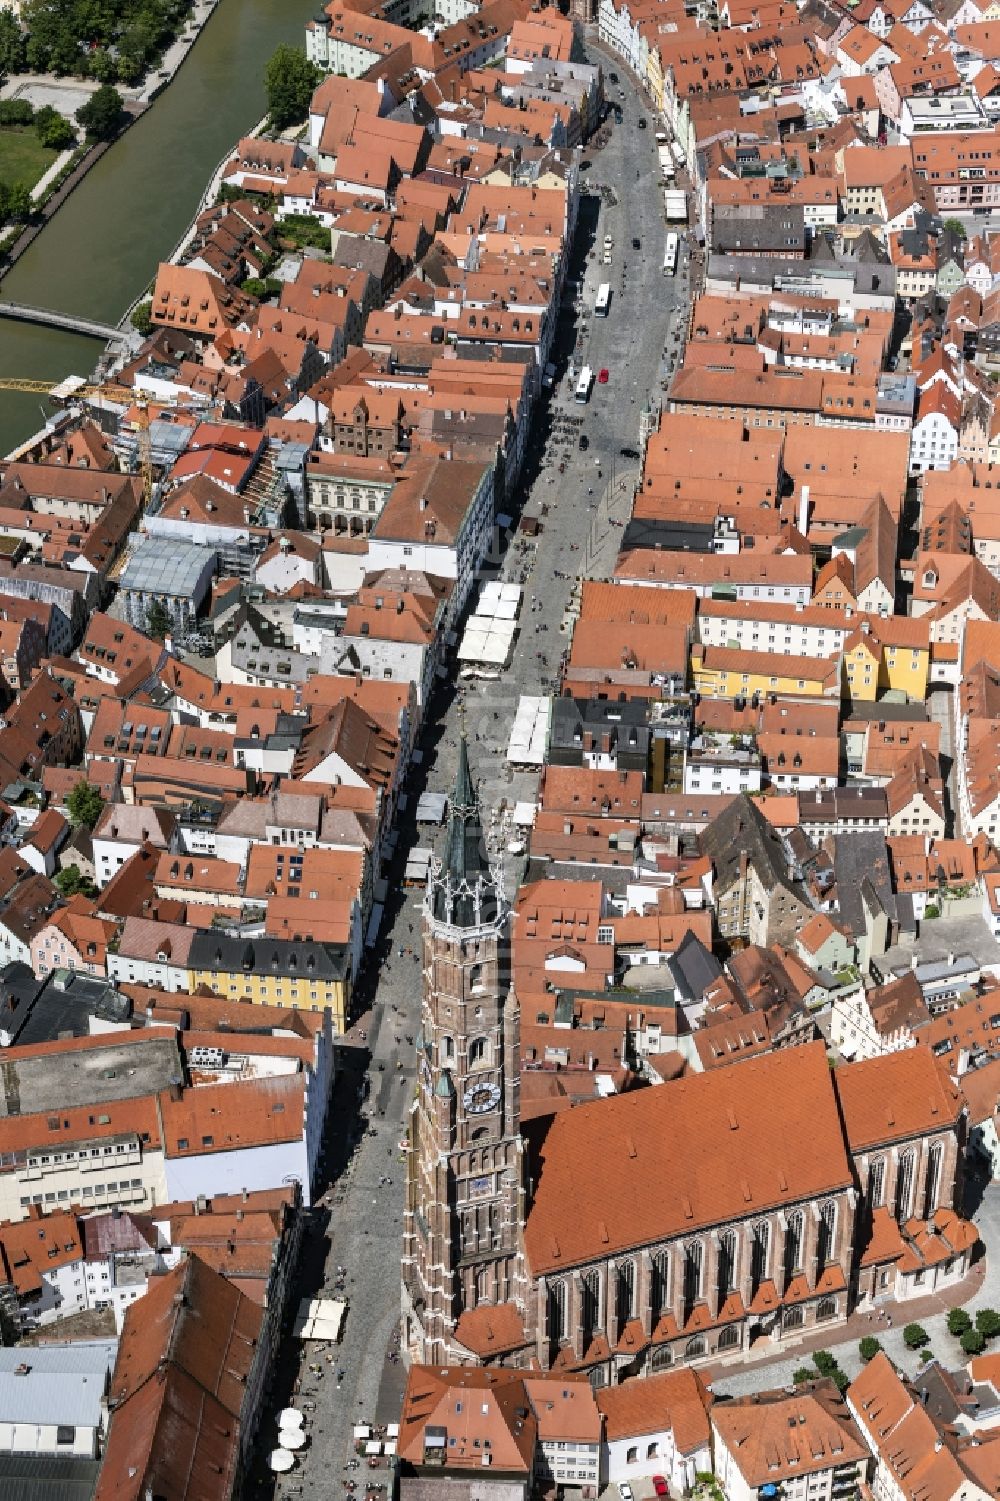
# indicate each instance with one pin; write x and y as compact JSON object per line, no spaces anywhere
{"x":51,"y":319}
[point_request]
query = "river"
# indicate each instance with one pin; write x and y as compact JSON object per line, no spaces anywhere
{"x":102,"y":247}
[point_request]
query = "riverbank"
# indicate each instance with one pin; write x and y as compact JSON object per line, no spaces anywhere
{"x":66,"y":95}
{"x":136,"y":205}
{"x":154,"y":83}
{"x":51,"y":205}
{"x":207,"y":199}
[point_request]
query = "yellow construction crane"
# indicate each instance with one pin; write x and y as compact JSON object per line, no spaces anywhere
{"x":111,"y":392}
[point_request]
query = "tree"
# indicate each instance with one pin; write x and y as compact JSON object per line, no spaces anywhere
{"x":19,"y":201}
{"x":988,"y":1323}
{"x":915,"y":1335}
{"x":16,"y":112}
{"x":868,"y":1348}
{"x":824,"y":1362}
{"x":290,"y":80}
{"x":804,"y":1373}
{"x":141,"y":317}
{"x":12,"y":42}
{"x":158,"y":622}
{"x":84,"y":805}
{"x":54,"y":130}
{"x":972,"y":1342}
{"x":102,"y":66}
{"x":72,"y":882}
{"x":958,"y":1322}
{"x":102,"y":114}
{"x":957,"y":228}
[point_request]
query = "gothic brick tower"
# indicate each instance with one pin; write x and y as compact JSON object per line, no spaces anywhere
{"x":464,"y":1215}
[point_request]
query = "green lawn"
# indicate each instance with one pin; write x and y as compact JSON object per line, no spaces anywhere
{"x":22,"y":157}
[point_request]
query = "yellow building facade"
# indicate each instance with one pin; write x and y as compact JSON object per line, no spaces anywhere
{"x":727,"y":672}
{"x":304,"y":976}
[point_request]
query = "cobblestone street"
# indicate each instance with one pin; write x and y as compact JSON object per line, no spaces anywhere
{"x":359,"y":1227}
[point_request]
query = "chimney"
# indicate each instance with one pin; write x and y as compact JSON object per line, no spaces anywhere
{"x":246,"y":515}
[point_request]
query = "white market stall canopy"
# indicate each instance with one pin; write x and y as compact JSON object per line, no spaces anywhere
{"x":418,"y":863}
{"x":320,"y":1318}
{"x":489,"y":636}
{"x":529,"y":735}
{"x":502,"y":601}
{"x":431,"y":807}
{"x":489,"y":642}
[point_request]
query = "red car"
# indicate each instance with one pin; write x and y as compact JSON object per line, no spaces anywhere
{"x":660,"y":1486}
{"x":602,"y":377}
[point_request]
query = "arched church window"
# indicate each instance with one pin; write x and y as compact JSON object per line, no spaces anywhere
{"x":827,"y":1233}
{"x":625,"y":1291}
{"x":659,"y":1284}
{"x":935,"y":1160}
{"x":904,"y":1186}
{"x":556,"y":1310}
{"x":479,"y":1052}
{"x":793,"y":1244}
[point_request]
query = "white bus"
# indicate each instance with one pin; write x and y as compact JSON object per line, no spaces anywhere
{"x":584,"y":384}
{"x":670,"y":256}
{"x":603,"y":300}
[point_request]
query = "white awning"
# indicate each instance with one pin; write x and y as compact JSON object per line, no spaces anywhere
{"x":431,"y":807}
{"x":418,"y":863}
{"x":374,"y":923}
{"x":320,"y":1318}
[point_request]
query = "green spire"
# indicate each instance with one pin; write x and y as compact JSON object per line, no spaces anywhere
{"x":466,"y":893}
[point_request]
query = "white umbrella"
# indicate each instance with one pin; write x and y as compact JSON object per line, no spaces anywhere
{"x":281,"y":1461}
{"x":290,"y":1417}
{"x":291,"y":1438}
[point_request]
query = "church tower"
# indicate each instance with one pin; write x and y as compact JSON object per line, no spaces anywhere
{"x":464,"y":1213}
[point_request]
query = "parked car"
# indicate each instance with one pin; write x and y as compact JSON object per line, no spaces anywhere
{"x":629,"y":453}
{"x":642,"y":122}
{"x":584,"y":443}
{"x":603,"y":377}
{"x":625,"y":1491}
{"x":660,"y":1485}
{"x":636,"y":243}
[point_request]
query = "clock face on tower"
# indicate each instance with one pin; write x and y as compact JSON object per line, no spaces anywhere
{"x":481,"y":1097}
